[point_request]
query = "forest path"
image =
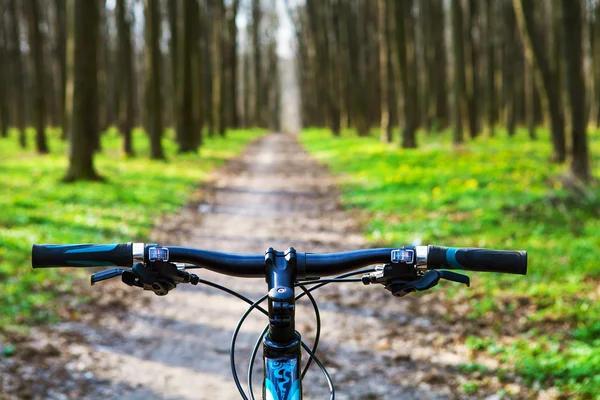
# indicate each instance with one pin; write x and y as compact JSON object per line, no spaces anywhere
{"x":375,"y":346}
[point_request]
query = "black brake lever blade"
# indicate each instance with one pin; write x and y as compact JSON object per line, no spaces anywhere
{"x":106,"y":274}
{"x":454,"y":277}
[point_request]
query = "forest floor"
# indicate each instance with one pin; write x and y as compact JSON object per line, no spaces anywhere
{"x":134,"y":345}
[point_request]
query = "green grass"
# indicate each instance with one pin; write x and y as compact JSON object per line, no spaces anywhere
{"x":500,"y":193}
{"x":36,"y":207}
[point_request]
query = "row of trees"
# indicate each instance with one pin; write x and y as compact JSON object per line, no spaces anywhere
{"x":83,"y":66}
{"x":469,"y":64}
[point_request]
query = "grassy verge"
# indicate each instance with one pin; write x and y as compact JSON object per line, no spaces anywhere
{"x":500,"y":193}
{"x":38,"y":208}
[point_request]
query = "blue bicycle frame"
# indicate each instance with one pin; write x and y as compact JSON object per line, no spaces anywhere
{"x":282,"y":377}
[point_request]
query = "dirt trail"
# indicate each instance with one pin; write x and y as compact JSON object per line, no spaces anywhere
{"x":176,"y":347}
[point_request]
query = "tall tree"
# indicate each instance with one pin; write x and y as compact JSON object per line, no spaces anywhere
{"x":217,"y":64}
{"x":186,"y":129}
{"x":472,"y":68}
{"x":382,"y":15}
{"x":491,"y":66}
{"x":60,"y":61}
{"x":103,"y":67}
{"x":510,"y":69}
{"x":16,"y":68}
{"x":154,"y":99}
{"x":37,"y":77}
{"x":545,"y":74}
{"x":460,"y":101}
{"x":406,"y":66}
{"x":232,"y":62}
{"x":4,"y":73}
{"x":440,"y":78}
{"x":198,"y":72}
{"x":257,"y":54}
{"x":172,"y":7}
{"x":83,"y":116}
{"x":125,"y":87}
{"x":572,"y":26}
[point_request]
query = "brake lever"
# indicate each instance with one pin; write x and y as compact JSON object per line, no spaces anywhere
{"x":160,"y":278}
{"x":400,"y":288}
{"x":106,"y":274}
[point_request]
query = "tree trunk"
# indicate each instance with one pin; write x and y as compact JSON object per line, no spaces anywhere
{"x":246,"y":94}
{"x":60,"y":61}
{"x":17,"y":68}
{"x":198,"y":65}
{"x":153,"y":78}
{"x":529,"y":99}
{"x":125,"y":87}
{"x":217,"y":64}
{"x":510,"y":70}
{"x":490,"y":19}
{"x":473,"y":83}
{"x":460,"y":101}
{"x":84,"y":117}
{"x":256,"y":52}
{"x":186,"y":129}
{"x":406,"y":68}
{"x":37,"y":77}
{"x":386,"y":127}
{"x":233,"y":61}
{"x":572,"y":22}
{"x":595,"y":50}
{"x":173,"y":47}
{"x":102,"y":72}
{"x":4,"y":73}
{"x":440,"y":77}
{"x":546,"y":76}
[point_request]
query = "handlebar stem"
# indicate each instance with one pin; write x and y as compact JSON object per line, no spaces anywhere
{"x":281,"y":271}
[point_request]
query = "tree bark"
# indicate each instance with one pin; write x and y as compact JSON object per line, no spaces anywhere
{"x":125,"y":87}
{"x":460,"y":101}
{"x":510,"y":70}
{"x":172,"y":7}
{"x":440,"y":77}
{"x":571,"y":25}
{"x":60,"y":61}
{"x":186,"y":128}
{"x":233,"y":61}
{"x":386,"y":127}
{"x":473,"y":82}
{"x":217,"y":64}
{"x":529,"y":99}
{"x":407,"y":74}
{"x":17,"y":67}
{"x":153,"y":78}
{"x":257,"y":54}
{"x":546,"y":76}
{"x":4,"y":73}
{"x":84,"y":117}
{"x":37,"y":77}
{"x":103,"y":67}
{"x":490,"y":19}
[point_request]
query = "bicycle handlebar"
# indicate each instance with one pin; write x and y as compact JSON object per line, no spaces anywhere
{"x":82,"y":255}
{"x":474,"y":259}
{"x":253,"y":265}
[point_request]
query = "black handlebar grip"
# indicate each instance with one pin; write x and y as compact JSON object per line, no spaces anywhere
{"x":473,"y":259}
{"x":81,"y":255}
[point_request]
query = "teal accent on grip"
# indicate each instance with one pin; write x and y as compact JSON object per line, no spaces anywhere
{"x":93,"y":248}
{"x":94,"y":263}
{"x":451,"y":258}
